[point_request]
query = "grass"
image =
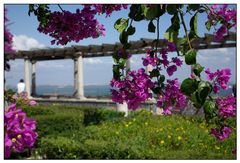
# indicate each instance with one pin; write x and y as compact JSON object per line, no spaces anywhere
{"x":70,"y":132}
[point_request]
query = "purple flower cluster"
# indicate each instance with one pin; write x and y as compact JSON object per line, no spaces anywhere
{"x":224,"y":15}
{"x":150,"y":59}
{"x":171,"y":47}
{"x":226,"y":106}
{"x":65,"y":26}
{"x":108,"y":8}
{"x":220,"y":79}
{"x":221,"y":134}
{"x":153,"y":60}
{"x":172,"y":97}
{"x":8,"y":37}
{"x":20,"y":131}
{"x":22,"y":99}
{"x":134,"y":89}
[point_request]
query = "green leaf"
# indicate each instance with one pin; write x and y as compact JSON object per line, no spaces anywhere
{"x":204,"y":89}
{"x":161,"y":10}
{"x":181,"y":41}
{"x":136,"y":12}
{"x":30,"y":9}
{"x":162,"y":78}
{"x":131,"y":30}
{"x":189,"y":86}
{"x":116,"y":72}
{"x":195,"y":100}
{"x":209,"y":107}
{"x":123,"y":37}
{"x":156,"y":90}
{"x":150,"y":12}
{"x":121,"y":24}
{"x":171,"y":9}
{"x":197,"y":69}
{"x":190,"y":57}
{"x":151,"y":27}
{"x":193,"y":27}
{"x":171,"y":33}
{"x":193,"y":7}
{"x":122,"y":62}
{"x":154,"y":73}
{"x":208,"y":25}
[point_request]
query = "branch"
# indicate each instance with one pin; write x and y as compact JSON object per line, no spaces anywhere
{"x":60,"y":7}
{"x":185,"y":29}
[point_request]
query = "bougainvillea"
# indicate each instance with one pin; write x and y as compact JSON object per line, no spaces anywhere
{"x":223,"y":15}
{"x":19,"y":130}
{"x":172,"y":97}
{"x":22,"y":99}
{"x":8,"y":40}
{"x":134,"y":87}
{"x":65,"y":26}
{"x":226,"y":106}
{"x":8,"y":37}
{"x":221,"y":134}
{"x":108,"y":8}
{"x":220,"y":79}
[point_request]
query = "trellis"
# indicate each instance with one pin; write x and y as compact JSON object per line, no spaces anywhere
{"x":77,"y":53}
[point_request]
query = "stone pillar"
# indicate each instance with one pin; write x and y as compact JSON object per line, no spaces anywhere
{"x":123,"y":108}
{"x":80,"y":85}
{"x":128,"y":65}
{"x":75,"y":75}
{"x":149,"y":68}
{"x":27,"y":76}
{"x":34,"y":78}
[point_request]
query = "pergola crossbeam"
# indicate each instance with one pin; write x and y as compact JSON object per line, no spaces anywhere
{"x":78,"y":52}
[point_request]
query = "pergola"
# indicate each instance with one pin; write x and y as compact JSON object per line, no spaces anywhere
{"x":77,"y":53}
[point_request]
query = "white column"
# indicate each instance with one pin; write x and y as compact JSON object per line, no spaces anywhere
{"x":75,"y":75}
{"x":123,"y":108}
{"x":80,"y":84}
{"x":128,"y":65}
{"x":27,"y":76}
{"x":34,"y":78}
{"x":149,"y":68}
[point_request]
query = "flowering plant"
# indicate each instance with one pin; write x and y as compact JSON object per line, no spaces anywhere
{"x":19,"y":131}
{"x":21,"y":100}
{"x":135,"y":87}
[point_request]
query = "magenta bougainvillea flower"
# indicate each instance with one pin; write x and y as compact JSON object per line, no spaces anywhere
{"x":172,"y":97}
{"x":134,"y":89}
{"x":227,"y":18}
{"x":221,"y":134}
{"x":219,"y":78}
{"x":226,"y":106}
{"x":19,"y":131}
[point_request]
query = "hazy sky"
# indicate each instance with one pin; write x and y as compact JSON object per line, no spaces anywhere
{"x":96,"y":70}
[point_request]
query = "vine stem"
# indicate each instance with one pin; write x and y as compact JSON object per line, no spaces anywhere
{"x":185,"y":29}
{"x":60,"y":7}
{"x":158,"y":19}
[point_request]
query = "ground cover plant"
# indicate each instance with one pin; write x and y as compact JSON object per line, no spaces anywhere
{"x":63,"y":134}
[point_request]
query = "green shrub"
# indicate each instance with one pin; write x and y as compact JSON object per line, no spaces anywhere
{"x":142,"y":136}
{"x":96,"y":116}
{"x":38,"y":110}
{"x":59,"y":148}
{"x":59,"y":123}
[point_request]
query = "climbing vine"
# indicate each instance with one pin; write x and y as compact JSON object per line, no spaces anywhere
{"x":138,"y":86}
{"x":134,"y":87}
